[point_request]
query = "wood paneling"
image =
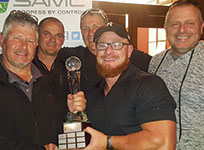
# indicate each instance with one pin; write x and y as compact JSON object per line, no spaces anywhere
{"x":139,"y":15}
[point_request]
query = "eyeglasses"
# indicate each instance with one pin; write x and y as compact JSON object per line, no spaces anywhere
{"x":21,"y":14}
{"x":94,"y":11}
{"x":114,"y":46}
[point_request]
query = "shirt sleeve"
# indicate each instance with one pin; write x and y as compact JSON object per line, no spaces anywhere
{"x":140,"y":59}
{"x":154,"y":101}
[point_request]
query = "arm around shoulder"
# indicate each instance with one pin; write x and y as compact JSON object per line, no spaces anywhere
{"x":140,"y":59}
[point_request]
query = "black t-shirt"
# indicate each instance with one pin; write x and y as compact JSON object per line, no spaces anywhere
{"x":136,"y":98}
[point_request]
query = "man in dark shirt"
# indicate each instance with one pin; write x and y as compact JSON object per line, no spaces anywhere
{"x":131,"y":109}
{"x":51,"y":39}
{"x":32,"y":108}
{"x":50,"y":58}
{"x":90,"y":21}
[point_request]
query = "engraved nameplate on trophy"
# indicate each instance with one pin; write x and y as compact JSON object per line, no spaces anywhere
{"x":73,"y":135}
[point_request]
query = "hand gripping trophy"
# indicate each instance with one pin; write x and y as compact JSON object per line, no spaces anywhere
{"x":74,"y":136}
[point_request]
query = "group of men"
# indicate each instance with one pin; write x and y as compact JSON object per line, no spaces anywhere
{"x":129,"y":108}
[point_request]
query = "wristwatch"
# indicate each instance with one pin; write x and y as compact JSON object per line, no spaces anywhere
{"x":109,"y":146}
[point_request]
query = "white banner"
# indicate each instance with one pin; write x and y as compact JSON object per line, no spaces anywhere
{"x":68,"y":11}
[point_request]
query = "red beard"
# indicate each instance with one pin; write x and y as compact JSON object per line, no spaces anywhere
{"x":107,"y":71}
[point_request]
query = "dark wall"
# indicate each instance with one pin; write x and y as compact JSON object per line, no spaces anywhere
{"x":139,"y":15}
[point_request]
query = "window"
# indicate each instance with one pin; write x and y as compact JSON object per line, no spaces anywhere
{"x":156,"y":41}
{"x":151,"y":40}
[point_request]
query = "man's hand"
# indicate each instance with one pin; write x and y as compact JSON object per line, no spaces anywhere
{"x":98,"y":140}
{"x":51,"y":146}
{"x":76,"y":102}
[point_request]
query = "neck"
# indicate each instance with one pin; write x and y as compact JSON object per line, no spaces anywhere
{"x":23,"y":73}
{"x":110,"y":81}
{"x":46,"y":59}
{"x":25,"y":76}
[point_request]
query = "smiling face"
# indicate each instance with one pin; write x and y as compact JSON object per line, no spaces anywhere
{"x":89,"y":25}
{"x":51,"y":37}
{"x":111,"y":63}
{"x":183,"y":29}
{"x":18,"y":46}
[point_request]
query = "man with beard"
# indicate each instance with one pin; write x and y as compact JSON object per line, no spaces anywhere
{"x":50,"y":57}
{"x":90,"y":21}
{"x":129,"y":109}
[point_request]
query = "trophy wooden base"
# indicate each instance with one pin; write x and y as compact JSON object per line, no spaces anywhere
{"x":74,"y":136}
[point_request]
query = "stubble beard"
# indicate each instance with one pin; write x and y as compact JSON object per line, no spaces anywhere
{"x":17,"y":64}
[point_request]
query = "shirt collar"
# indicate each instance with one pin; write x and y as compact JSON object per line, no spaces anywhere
{"x":12,"y":77}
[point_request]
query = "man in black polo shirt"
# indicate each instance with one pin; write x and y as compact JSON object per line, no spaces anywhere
{"x":50,"y":58}
{"x":131,"y":109}
{"x":90,"y":21}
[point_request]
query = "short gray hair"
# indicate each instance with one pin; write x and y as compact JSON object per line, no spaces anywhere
{"x":22,"y":18}
{"x":181,"y":3}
